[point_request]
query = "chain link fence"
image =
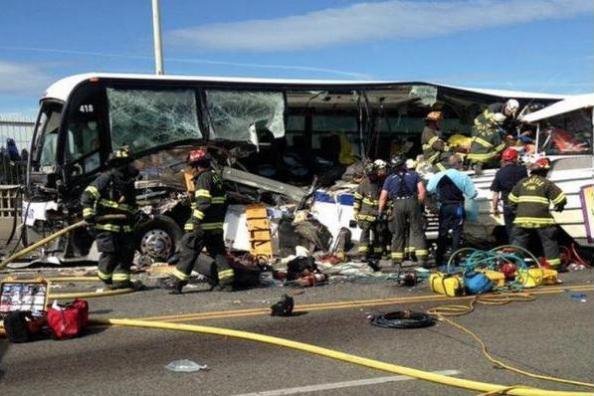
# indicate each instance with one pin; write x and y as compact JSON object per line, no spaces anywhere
{"x":16,"y":133}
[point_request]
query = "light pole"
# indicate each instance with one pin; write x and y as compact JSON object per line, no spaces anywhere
{"x":157,"y":39}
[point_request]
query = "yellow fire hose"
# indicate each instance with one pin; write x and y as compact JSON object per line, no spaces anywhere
{"x":42,"y":242}
{"x":486,"y":388}
{"x":53,"y":236}
{"x":91,"y":294}
{"x":442,"y":312}
{"x":445,"y":311}
{"x":345,"y":357}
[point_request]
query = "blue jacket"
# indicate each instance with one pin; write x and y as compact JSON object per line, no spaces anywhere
{"x":442,"y":182}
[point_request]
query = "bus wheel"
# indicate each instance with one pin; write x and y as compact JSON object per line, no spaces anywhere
{"x":158,"y":238}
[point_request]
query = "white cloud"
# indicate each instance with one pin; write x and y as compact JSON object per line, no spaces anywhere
{"x":365,"y":22}
{"x":22,"y":78}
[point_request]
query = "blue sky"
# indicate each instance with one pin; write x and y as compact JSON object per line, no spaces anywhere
{"x":532,"y":45}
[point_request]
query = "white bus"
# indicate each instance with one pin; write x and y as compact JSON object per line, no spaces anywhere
{"x":285,"y":130}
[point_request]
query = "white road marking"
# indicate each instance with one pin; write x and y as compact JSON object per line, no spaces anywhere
{"x":339,"y":385}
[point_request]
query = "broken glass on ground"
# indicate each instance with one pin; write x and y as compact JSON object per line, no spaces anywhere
{"x":143,"y":119}
{"x":232,"y":112}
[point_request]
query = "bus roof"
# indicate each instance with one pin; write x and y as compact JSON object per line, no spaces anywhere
{"x":570,"y":104}
{"x":61,"y":89}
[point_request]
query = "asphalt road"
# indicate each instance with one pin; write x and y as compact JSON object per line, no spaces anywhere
{"x":551,"y":335}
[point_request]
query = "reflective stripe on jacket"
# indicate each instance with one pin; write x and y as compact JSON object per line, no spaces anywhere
{"x":111,"y":193}
{"x":210,"y":203}
{"x":366,"y":205}
{"x":532,"y":197}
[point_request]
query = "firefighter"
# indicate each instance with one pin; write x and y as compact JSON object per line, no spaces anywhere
{"x":487,"y":142}
{"x":452,"y":188}
{"x":113,"y":193}
{"x":204,"y":228}
{"x":406,"y":192}
{"x":383,"y":229}
{"x":365,"y":213}
{"x":532,"y":197}
{"x":510,"y":173}
{"x":434,"y":148}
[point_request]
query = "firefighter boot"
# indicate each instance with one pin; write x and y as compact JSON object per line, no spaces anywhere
{"x":373,"y":262}
{"x":174,"y":285}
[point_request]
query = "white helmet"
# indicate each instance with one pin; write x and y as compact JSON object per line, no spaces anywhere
{"x":511,"y":106}
{"x":380,"y":164}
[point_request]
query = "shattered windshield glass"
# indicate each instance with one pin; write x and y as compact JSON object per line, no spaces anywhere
{"x":232,"y":112}
{"x":143,"y":119}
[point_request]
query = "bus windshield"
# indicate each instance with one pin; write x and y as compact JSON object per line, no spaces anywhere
{"x":143,"y":119}
{"x":46,"y":137}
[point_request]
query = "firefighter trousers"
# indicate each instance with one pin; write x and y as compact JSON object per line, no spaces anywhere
{"x":371,"y":241}
{"x":407,"y":224}
{"x":548,"y":240}
{"x":192,"y":244}
{"x":115,"y":260}
{"x":451,"y":217}
{"x":509,"y":215}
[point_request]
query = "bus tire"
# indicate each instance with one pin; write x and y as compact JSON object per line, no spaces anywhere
{"x":158,"y":237}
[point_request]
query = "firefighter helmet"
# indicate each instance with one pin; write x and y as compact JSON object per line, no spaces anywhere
{"x":511,"y":107}
{"x":120,"y":156}
{"x":397,"y":161}
{"x":198,"y":157}
{"x":541,"y":164}
{"x":380,"y":164}
{"x":509,"y":154}
{"x":434,"y":116}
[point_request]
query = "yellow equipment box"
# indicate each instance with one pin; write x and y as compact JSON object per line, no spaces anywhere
{"x":498,"y":278}
{"x":537,"y":276}
{"x":259,"y":228}
{"x":450,"y":285}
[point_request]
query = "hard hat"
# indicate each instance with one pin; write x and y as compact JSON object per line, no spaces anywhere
{"x":512,"y":106}
{"x":509,"y":154}
{"x":397,"y":161}
{"x":380,"y":164}
{"x":541,"y":164}
{"x":120,"y":155}
{"x":369,"y":169}
{"x":434,"y":116}
{"x":198,"y":157}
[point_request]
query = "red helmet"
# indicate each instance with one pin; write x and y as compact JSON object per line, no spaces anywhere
{"x":509,"y":154}
{"x":198,"y":157}
{"x":541,"y":163}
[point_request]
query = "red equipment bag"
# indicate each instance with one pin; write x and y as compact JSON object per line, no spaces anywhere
{"x":68,"y":321}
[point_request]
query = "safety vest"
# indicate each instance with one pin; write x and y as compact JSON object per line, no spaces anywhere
{"x":533,"y":196}
{"x":209,"y":205}
{"x":366,"y":205}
